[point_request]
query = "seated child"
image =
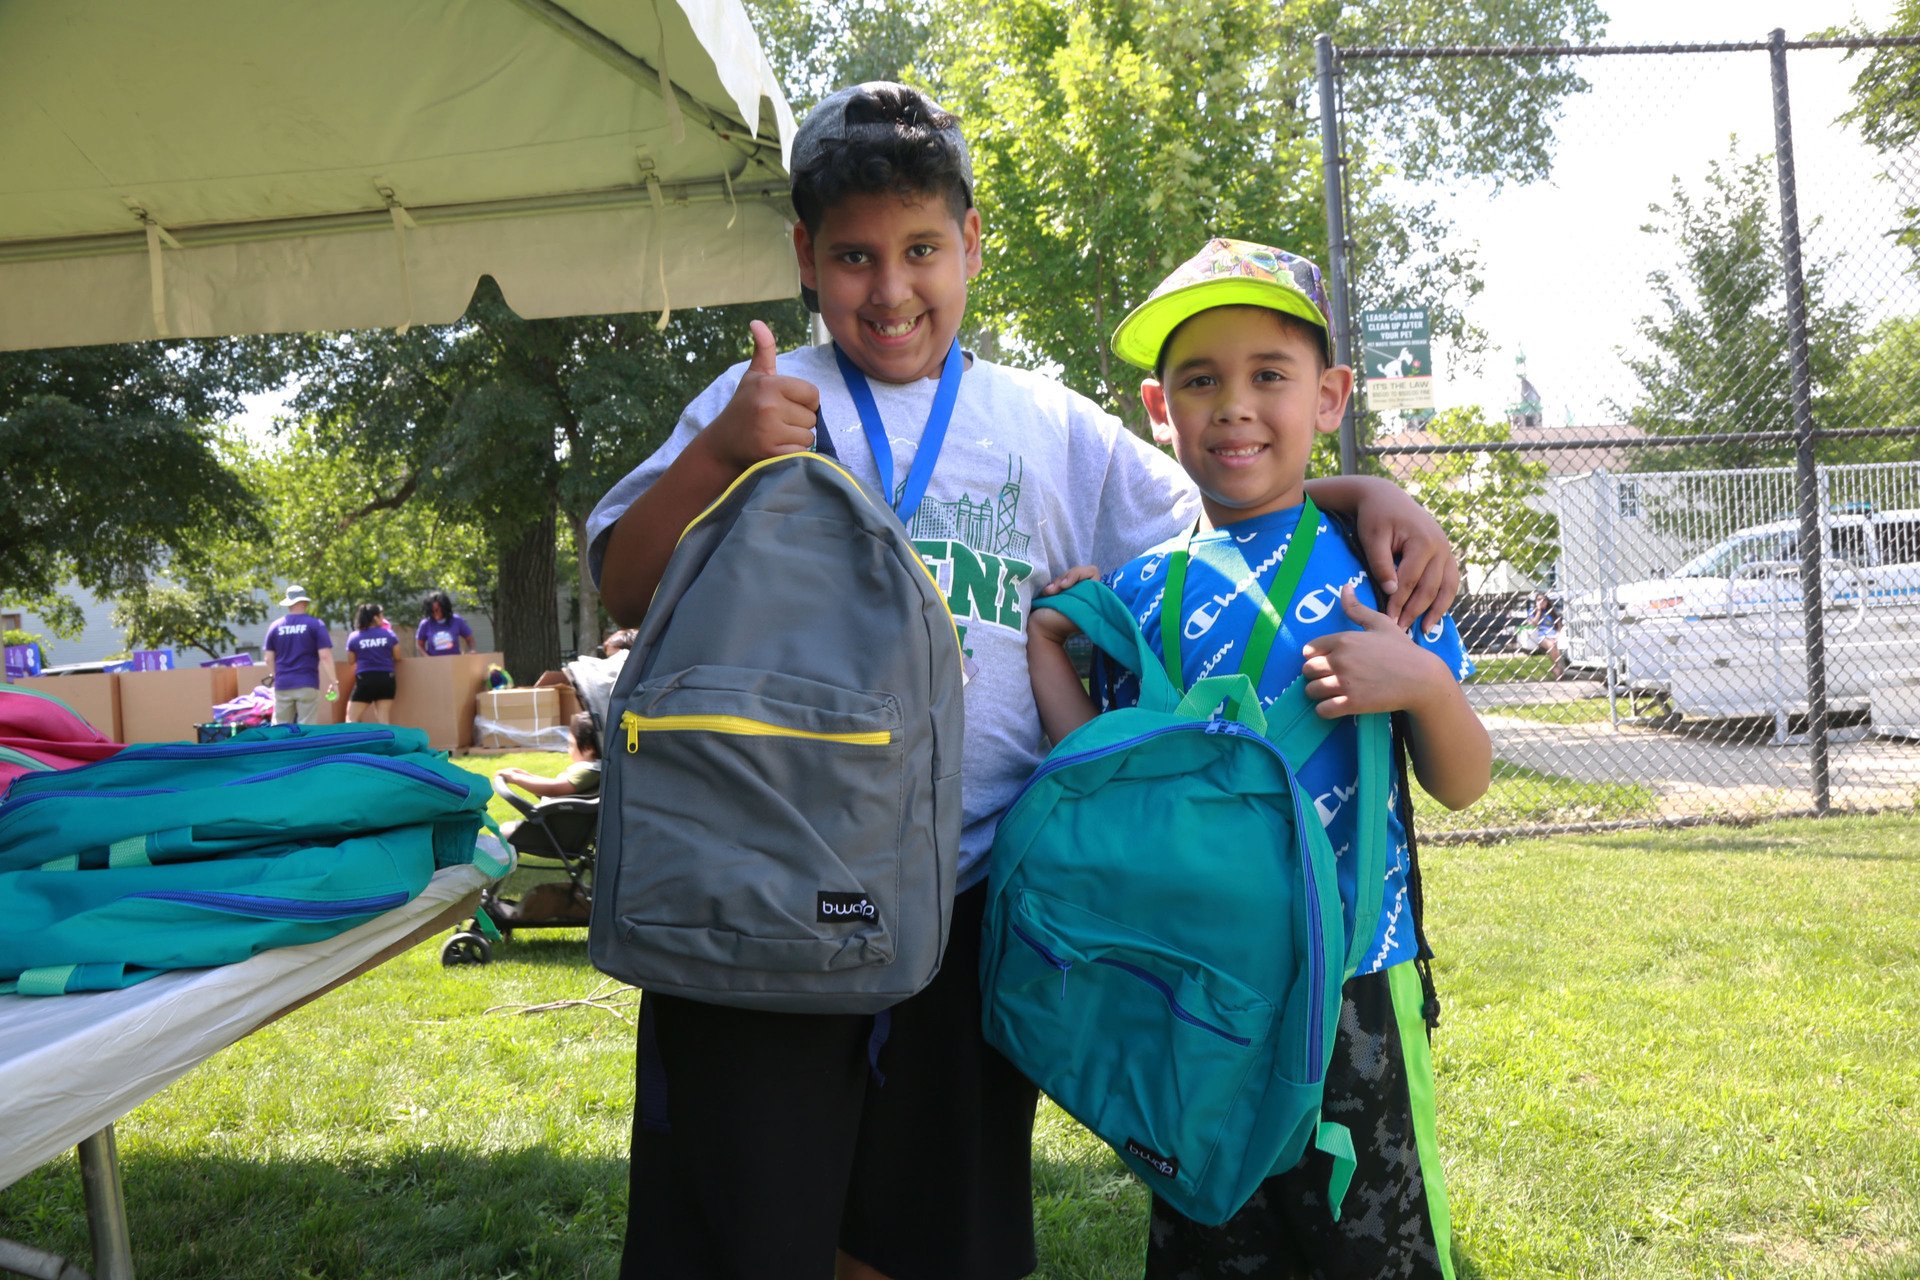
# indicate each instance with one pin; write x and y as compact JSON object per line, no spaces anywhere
{"x":581,"y":777}
{"x":1242,"y":378}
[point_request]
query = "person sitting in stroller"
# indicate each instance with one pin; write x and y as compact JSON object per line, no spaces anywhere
{"x":581,"y":777}
{"x":559,"y":829}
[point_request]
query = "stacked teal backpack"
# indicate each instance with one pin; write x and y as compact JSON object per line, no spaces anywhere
{"x":181,"y":855}
{"x":1164,"y":943}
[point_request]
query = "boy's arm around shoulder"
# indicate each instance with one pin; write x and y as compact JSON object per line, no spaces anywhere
{"x":769,"y":414}
{"x":1380,"y":668}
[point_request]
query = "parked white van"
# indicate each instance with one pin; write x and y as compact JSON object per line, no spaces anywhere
{"x":1746,"y":587}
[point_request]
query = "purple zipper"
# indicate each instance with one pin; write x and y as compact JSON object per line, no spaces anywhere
{"x":1316,"y":966}
{"x":192,"y":751}
{"x":277,"y":908}
{"x":1158,"y":984}
{"x":404,"y":768}
{"x":20,"y":802}
{"x":1151,"y":980}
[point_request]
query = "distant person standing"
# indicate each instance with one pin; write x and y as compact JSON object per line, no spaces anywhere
{"x":373,"y":647}
{"x":442,"y":633}
{"x":298,"y":649}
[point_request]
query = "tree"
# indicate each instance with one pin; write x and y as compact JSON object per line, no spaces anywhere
{"x":111,"y":470}
{"x":1887,"y":110}
{"x":1488,"y":502}
{"x":512,"y":427}
{"x":817,"y":46}
{"x":1110,"y":140}
{"x":1718,"y":359}
{"x":1878,"y":390}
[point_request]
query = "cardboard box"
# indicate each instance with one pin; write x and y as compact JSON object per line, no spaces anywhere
{"x":164,"y":706}
{"x":95,"y":697}
{"x":520,"y":713}
{"x":569,"y":700}
{"x":437,"y":695}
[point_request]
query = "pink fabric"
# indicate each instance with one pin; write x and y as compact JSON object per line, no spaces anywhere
{"x":46,"y":729}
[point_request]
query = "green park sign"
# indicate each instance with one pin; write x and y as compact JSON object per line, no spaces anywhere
{"x":1396,"y":359}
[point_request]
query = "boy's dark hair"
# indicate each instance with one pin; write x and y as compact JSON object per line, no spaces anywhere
{"x":1313,"y":333}
{"x":585,"y":735}
{"x":363,"y":616}
{"x":442,"y":599}
{"x":892,"y":141}
{"x":617,"y":640}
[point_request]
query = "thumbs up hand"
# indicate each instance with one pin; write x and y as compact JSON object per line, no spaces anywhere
{"x":769,"y":414}
{"x":1377,"y":668}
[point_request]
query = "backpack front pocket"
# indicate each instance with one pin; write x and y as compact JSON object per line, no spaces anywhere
{"x":1153,"y":1050}
{"x":762,"y":817}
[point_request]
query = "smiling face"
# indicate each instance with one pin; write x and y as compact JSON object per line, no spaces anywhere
{"x":892,"y":273}
{"x":1241,"y":394}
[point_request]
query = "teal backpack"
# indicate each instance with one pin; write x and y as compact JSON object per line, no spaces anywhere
{"x":1164,"y":942}
{"x":181,"y":855}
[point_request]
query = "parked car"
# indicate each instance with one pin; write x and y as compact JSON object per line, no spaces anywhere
{"x":1872,"y":562}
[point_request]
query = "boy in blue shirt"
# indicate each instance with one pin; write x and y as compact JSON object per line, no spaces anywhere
{"x":1238,"y":345}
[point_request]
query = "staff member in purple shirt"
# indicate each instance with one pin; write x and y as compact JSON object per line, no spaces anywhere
{"x":373,"y":648}
{"x":298,"y":649}
{"x":442,"y":633}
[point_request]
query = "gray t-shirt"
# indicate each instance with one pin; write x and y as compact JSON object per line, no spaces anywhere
{"x":1032,"y":480}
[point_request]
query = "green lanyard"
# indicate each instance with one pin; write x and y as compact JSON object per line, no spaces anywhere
{"x":1224,"y":558}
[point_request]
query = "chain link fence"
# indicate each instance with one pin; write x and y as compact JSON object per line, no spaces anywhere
{"x":1676,"y":442}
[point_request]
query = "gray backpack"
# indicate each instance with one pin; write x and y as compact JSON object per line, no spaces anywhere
{"x":780,"y":816}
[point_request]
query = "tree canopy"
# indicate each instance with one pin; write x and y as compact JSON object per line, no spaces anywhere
{"x":1110,"y":140}
{"x":1718,"y":353}
{"x":110,"y":464}
{"x":511,"y":427}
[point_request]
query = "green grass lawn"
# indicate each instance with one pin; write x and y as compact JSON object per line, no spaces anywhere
{"x":1532,"y":666}
{"x":1663,"y":1054}
{"x":1519,"y":796}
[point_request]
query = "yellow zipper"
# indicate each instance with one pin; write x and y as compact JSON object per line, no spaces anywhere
{"x":636,"y":724}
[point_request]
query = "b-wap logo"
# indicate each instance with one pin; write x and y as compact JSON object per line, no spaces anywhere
{"x":841,"y":907}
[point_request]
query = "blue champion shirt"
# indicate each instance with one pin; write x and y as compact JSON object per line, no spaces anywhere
{"x":1218,"y":618}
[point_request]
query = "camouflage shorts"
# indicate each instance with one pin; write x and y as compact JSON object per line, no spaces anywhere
{"x":1393,"y":1224}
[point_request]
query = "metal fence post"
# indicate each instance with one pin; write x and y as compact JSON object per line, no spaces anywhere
{"x":1812,"y":591}
{"x":1330,"y":163}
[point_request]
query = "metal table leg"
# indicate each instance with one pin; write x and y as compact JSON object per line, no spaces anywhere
{"x":106,"y":1207}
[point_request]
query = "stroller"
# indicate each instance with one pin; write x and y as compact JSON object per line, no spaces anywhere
{"x":555,"y":835}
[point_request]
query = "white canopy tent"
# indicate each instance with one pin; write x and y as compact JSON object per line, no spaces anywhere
{"x":190,"y":168}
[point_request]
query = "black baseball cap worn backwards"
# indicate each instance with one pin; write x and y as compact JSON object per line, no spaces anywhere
{"x":855,"y":113}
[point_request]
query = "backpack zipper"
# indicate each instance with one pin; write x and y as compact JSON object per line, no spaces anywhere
{"x":387,"y":764}
{"x":206,"y":750}
{"x":1316,"y":967}
{"x":25,"y":761}
{"x":1166,"y":992}
{"x":741,"y":726}
{"x":277,"y":908}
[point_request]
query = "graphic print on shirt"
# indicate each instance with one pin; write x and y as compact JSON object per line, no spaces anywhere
{"x":1217,"y":614}
{"x":976,"y":551}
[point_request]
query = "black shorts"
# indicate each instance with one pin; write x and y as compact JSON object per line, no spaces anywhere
{"x":778,"y":1141}
{"x":372,"y":686}
{"x":1394,"y":1223}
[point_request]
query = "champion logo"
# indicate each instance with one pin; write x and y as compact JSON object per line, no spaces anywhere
{"x":1201,"y":620}
{"x":1321,"y":601}
{"x":840,"y":907}
{"x":1339,"y":795}
{"x":1165,"y":1166}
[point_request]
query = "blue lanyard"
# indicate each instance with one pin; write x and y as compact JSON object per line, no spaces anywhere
{"x":930,"y":440}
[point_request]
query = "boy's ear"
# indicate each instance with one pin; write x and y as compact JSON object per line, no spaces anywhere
{"x":1336,"y":384}
{"x":803,"y":254}
{"x":970,"y":241}
{"x":1154,"y":397}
